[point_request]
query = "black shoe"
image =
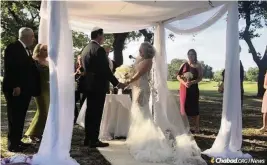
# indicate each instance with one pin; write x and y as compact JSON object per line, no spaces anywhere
{"x":25,"y":145}
{"x":86,"y":142}
{"x":16,"y":149}
{"x":97,"y":144}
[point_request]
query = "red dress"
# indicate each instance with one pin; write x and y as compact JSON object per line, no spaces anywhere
{"x":189,"y":97}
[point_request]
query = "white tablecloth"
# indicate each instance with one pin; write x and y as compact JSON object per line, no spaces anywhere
{"x":115,"y":119}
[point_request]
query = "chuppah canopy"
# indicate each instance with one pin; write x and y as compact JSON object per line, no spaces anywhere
{"x":59,"y":17}
{"x":125,"y":16}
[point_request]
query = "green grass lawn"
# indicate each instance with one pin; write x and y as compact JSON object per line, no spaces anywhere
{"x":254,"y":142}
{"x":249,"y":87}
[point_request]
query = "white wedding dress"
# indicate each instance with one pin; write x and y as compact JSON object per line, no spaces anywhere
{"x":149,"y":142}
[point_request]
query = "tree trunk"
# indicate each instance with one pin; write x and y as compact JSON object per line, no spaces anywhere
{"x":262,"y":71}
{"x":118,"y":45}
{"x":261,"y":63}
{"x":261,"y":89}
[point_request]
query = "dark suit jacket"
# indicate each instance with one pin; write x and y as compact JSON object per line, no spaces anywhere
{"x":20,"y":70}
{"x":115,"y":66}
{"x":241,"y":76}
{"x":96,"y":66}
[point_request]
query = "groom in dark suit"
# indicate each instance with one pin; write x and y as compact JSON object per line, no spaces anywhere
{"x":18,"y":86}
{"x":97,"y":74}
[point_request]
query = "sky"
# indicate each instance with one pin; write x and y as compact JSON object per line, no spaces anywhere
{"x":209,"y":44}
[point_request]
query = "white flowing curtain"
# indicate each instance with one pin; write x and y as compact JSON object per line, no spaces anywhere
{"x":197,"y":23}
{"x":56,"y":141}
{"x":55,"y":31}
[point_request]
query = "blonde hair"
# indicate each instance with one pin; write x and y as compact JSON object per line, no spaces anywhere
{"x":36,"y":51}
{"x":149,"y":50}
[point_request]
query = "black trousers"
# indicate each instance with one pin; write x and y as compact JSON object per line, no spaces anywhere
{"x":80,"y":99}
{"x":17,"y":107}
{"x":93,"y":116}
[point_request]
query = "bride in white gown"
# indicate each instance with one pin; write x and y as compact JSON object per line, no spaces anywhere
{"x":148,"y":141}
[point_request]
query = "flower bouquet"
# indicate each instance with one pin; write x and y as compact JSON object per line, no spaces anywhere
{"x":124,"y":73}
{"x":187,"y":76}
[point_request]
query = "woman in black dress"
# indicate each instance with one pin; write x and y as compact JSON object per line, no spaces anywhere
{"x":79,"y":79}
{"x":189,"y":75}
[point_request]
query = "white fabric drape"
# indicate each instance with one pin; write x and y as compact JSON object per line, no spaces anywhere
{"x":115,"y":118}
{"x":56,"y":141}
{"x":166,"y":109}
{"x":199,"y":24}
{"x":229,"y":140}
{"x":121,"y":16}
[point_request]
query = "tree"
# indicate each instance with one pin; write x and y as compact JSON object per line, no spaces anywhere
{"x":120,"y":39}
{"x":17,"y":14}
{"x":207,"y":70}
{"x":255,"y":15}
{"x":80,"y":40}
{"x":173,"y":68}
{"x":175,"y":65}
{"x":218,"y":76}
{"x":252,"y":74}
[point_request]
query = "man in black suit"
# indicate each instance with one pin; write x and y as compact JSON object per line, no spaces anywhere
{"x":18,"y":86}
{"x":97,"y":74}
{"x":112,"y":65}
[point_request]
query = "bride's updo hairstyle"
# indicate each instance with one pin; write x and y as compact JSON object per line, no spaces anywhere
{"x":148,"y":50}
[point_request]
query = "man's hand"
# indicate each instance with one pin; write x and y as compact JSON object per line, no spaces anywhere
{"x":16,"y":91}
{"x":82,"y":73}
{"x":121,"y":86}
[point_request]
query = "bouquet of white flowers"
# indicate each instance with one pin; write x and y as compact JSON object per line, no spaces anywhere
{"x":124,"y":73}
{"x":188,"y":76}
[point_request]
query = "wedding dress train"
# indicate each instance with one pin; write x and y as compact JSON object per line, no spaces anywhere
{"x":149,"y":142}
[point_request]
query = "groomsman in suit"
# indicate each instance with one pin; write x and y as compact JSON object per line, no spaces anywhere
{"x":18,"y":86}
{"x":97,"y":74}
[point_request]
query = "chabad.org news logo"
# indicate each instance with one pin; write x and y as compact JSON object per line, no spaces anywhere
{"x":237,"y":161}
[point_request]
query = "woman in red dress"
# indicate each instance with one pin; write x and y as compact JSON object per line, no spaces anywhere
{"x":189,"y":75}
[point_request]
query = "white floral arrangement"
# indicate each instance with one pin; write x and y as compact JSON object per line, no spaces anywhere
{"x":124,"y":73}
{"x":188,"y":76}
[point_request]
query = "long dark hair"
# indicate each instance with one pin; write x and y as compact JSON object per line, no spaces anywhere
{"x":193,"y":51}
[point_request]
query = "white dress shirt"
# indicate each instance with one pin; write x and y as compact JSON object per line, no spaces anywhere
{"x":110,"y":64}
{"x":95,"y":42}
{"x":25,"y":47}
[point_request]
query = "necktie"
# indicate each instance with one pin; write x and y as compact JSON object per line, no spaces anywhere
{"x":29,"y":51}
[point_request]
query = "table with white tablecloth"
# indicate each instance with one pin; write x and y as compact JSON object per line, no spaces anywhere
{"x":115,"y":119}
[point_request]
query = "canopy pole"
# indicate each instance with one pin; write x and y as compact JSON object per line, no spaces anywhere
{"x":229,"y":139}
